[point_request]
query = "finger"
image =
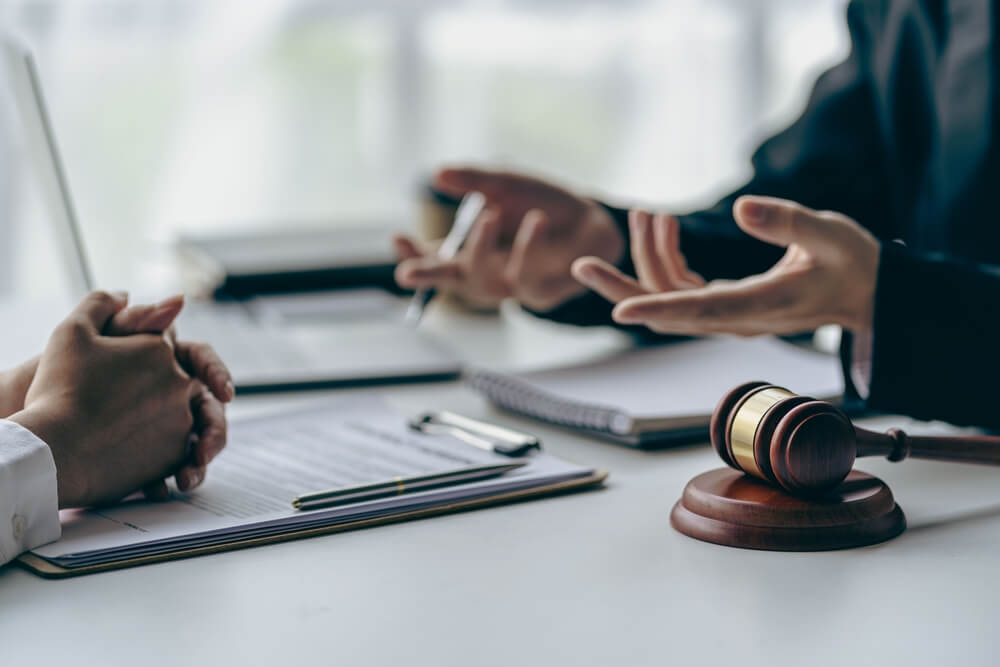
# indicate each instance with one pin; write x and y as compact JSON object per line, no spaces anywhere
{"x":457,"y":181}
{"x":483,"y":238}
{"x":520,"y":270}
{"x":157,"y":491}
{"x":429,"y":272}
{"x":648,"y":265}
{"x":155,"y":318}
{"x":189,"y":477}
{"x":98,"y":307}
{"x":782,"y":222}
{"x":605,"y":279}
{"x":190,"y":474}
{"x":202,"y":362}
{"x":211,"y":428}
{"x":537,"y":270}
{"x":667,"y":237}
{"x":752,"y":304}
{"x":406,"y":247}
{"x":171,"y":335}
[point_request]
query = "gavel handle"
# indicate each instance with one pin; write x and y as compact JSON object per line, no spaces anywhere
{"x":895,"y":445}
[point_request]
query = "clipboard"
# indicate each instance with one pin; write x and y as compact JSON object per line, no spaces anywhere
{"x":49,"y":570}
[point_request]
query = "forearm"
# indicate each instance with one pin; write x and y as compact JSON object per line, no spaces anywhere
{"x":934,"y":352}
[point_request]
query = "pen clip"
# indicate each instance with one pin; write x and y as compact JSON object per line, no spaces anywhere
{"x":486,"y":436}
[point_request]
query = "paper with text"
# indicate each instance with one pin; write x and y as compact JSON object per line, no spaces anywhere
{"x":269,"y":461}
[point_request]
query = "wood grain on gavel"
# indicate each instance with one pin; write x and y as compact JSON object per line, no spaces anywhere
{"x":807,"y":447}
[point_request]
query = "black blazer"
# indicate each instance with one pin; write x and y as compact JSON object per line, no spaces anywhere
{"x":902,"y":137}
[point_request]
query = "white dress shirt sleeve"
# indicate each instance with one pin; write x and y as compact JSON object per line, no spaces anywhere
{"x":861,"y":363}
{"x":29,"y":497}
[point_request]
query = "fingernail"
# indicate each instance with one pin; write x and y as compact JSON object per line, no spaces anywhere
{"x":754,"y":212}
{"x":120,"y":295}
{"x":157,"y":314}
{"x":208,"y":455}
{"x":230,"y":390}
{"x":584,"y":272}
{"x":193,"y":478}
{"x":623,"y":317}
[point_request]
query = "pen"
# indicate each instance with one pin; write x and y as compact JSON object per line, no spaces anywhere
{"x":468,"y":212}
{"x":398,"y":486}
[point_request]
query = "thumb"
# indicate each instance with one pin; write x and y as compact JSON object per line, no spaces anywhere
{"x":406,"y":248}
{"x":99,"y":307}
{"x":456,"y":181}
{"x":782,"y":222}
{"x":150,"y":319}
{"x":496,"y":185}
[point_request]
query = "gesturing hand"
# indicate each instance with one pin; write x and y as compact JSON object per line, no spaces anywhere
{"x":521,"y":247}
{"x":827,"y":276}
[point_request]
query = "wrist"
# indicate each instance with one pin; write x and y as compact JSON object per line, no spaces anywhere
{"x":54,"y":428}
{"x":862,"y":315}
{"x":14,"y":385}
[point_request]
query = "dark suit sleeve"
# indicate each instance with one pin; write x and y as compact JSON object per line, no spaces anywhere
{"x":832,"y":158}
{"x":935,"y":353}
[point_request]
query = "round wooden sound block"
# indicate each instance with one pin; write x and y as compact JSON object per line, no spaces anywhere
{"x":727,"y":507}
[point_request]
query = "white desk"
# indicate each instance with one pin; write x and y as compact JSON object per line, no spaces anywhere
{"x":594,"y":578}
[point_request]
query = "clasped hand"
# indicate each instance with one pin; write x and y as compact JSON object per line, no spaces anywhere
{"x":122,"y":404}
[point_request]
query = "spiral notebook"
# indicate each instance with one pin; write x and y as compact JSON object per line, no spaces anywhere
{"x":656,"y":396}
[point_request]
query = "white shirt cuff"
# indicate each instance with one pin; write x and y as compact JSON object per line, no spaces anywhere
{"x":861,"y":363}
{"x":29,"y":496}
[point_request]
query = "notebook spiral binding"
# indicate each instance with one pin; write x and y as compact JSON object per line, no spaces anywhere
{"x":523,"y":398}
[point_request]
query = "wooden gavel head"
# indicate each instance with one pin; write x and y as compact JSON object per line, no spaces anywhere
{"x":805,"y":446}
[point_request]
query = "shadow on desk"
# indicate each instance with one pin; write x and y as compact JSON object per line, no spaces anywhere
{"x":959,"y":519}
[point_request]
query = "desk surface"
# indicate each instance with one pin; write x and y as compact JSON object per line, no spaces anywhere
{"x":595,"y":578}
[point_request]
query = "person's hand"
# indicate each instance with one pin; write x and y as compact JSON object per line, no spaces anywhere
{"x":154,"y":319}
{"x":198,"y":359}
{"x":521,"y":247}
{"x":116,"y":412}
{"x":659,"y":264}
{"x":827,"y":276}
{"x":201,"y":362}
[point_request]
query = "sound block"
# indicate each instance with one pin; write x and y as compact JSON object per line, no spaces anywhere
{"x":727,"y":507}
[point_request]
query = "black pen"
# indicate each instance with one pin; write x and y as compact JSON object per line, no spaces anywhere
{"x":399,"y":485}
{"x":468,"y":212}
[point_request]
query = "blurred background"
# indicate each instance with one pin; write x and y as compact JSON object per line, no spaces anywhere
{"x":180,"y":115}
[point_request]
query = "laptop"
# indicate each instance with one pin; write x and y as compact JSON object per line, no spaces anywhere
{"x":346,"y":339}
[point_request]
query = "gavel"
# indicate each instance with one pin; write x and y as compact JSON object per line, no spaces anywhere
{"x":807,"y":447}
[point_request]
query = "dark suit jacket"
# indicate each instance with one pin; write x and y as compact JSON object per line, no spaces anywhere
{"x":902,"y":137}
